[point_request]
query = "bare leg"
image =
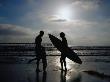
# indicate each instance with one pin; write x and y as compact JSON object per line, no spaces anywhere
{"x":44,"y":64}
{"x":31,"y":60}
{"x":65,"y":64}
{"x":61,"y":63}
{"x":37,"y":69}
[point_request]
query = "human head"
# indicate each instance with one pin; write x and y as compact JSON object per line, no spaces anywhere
{"x":62,"y":34}
{"x":41,"y":33}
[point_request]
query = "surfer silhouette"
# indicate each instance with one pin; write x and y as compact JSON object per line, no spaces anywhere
{"x":40,"y":52}
{"x":62,"y":46}
{"x":63,"y":54}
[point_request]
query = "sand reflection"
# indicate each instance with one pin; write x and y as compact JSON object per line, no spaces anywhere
{"x":70,"y":64}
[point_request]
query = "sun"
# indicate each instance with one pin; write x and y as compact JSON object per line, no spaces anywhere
{"x":64,"y":13}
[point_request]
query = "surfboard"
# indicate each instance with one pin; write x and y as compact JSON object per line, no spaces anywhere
{"x":68,"y":52}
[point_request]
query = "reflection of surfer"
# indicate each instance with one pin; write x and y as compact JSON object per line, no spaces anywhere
{"x":44,"y":77}
{"x":63,"y":54}
{"x":63,"y":76}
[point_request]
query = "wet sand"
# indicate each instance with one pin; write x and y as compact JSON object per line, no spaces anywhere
{"x":87,"y":72}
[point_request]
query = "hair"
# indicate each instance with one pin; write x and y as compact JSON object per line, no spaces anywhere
{"x":41,"y":32}
{"x":62,"y":34}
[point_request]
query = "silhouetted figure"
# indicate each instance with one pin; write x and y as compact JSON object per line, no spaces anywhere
{"x":63,"y":76}
{"x":63,"y":54}
{"x":40,"y":52}
{"x":62,"y":46}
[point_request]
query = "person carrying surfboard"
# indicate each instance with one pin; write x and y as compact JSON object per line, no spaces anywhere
{"x":62,"y":46}
{"x":63,"y":54}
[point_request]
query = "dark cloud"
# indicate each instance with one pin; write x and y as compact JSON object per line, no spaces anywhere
{"x":59,"y":20}
{"x":13,"y":30}
{"x":13,"y":33}
{"x":56,"y":19}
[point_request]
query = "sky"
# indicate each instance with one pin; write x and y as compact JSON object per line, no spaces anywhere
{"x":85,"y":22}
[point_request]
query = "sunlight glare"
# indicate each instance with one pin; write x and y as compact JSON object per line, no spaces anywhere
{"x":64,"y":13}
{"x":68,"y":63}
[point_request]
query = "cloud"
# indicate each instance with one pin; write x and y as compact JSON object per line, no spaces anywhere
{"x":89,"y":32}
{"x":80,"y":9}
{"x":13,"y":30}
{"x":55,"y":18}
{"x":58,"y":20}
{"x":83,"y":32}
{"x":14,"y":33}
{"x":86,"y":9}
{"x":86,"y":4}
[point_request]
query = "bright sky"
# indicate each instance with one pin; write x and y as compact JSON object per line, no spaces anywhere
{"x":85,"y":22}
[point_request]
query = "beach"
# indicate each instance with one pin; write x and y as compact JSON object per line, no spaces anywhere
{"x":93,"y":69}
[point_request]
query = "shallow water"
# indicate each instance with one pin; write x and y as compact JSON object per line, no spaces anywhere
{"x":16,"y":69}
{"x":23,"y":72}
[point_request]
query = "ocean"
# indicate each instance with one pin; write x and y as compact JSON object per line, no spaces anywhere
{"x":95,"y":66}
